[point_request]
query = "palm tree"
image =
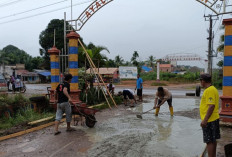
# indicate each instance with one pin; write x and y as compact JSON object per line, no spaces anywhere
{"x":151,"y":61}
{"x":134,"y":58}
{"x":118,"y":60}
{"x":95,"y":54}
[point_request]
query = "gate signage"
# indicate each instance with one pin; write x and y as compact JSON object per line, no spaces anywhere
{"x":88,"y":12}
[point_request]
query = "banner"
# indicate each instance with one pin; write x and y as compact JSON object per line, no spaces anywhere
{"x":128,"y":72}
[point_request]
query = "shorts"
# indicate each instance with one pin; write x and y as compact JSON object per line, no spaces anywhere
{"x":139,"y":92}
{"x":127,"y":93}
{"x":211,"y":132}
{"x":169,"y":102}
{"x":62,"y":108}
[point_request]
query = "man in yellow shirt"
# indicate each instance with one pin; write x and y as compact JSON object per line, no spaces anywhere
{"x":209,"y":114}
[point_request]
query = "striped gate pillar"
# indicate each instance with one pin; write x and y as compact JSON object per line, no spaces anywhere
{"x":55,"y":71}
{"x":226,"y":107}
{"x":73,"y":65}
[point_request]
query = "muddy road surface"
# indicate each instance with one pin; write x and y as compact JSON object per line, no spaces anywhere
{"x":119,"y":133}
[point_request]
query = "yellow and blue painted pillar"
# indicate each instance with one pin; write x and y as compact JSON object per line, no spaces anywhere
{"x":73,"y":65}
{"x":55,"y":71}
{"x":226,"y":107}
{"x":73,"y":59}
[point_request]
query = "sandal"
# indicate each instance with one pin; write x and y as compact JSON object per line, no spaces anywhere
{"x":70,"y":129}
{"x":57,"y":132}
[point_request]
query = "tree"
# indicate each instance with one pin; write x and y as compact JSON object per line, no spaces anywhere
{"x":36,"y":62}
{"x":13,"y":55}
{"x":4,"y":60}
{"x":220,"y":48}
{"x":111,"y":63}
{"x":118,"y":60}
{"x":134,"y":58}
{"x":151,"y":61}
{"x":46,"y":39}
{"x":97,"y":56}
{"x":17,"y":56}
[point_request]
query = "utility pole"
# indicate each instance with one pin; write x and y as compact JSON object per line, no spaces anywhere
{"x":210,"y":46}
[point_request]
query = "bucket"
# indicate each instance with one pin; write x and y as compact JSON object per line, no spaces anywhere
{"x":228,"y":150}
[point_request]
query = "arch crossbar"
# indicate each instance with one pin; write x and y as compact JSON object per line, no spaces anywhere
{"x":182,"y":57}
{"x":88,"y":13}
{"x":219,"y":7}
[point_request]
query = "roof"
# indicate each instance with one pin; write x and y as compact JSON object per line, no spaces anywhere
{"x":165,"y":65}
{"x":46,"y":73}
{"x":103,"y":70}
{"x":26,"y":73}
{"x":146,"y":69}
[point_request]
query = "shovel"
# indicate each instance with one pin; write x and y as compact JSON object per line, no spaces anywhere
{"x":140,"y":115}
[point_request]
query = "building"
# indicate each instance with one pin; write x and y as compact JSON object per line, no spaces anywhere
{"x":166,"y":68}
{"x":107,"y":74}
{"x":146,"y":69}
{"x":44,"y":75}
{"x":26,"y":76}
{"x":18,"y":70}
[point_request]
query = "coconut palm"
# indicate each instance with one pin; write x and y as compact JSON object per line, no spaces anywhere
{"x":151,"y":61}
{"x":134,"y":58}
{"x":118,"y":60}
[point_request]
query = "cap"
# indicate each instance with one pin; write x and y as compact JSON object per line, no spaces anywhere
{"x":205,"y":77}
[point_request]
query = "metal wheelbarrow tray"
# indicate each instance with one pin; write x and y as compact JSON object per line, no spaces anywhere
{"x":86,"y":112}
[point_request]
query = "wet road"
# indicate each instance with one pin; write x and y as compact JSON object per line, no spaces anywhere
{"x":42,"y":89}
{"x":119,"y":133}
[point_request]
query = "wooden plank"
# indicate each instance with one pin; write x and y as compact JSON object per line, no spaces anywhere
{"x":27,"y":131}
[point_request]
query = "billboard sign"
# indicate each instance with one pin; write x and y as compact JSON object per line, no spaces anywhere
{"x":128,"y":72}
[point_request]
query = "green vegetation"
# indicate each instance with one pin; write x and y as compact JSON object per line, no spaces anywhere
{"x":11,"y":55}
{"x":217,"y":79}
{"x":16,"y":110}
{"x":22,"y":117}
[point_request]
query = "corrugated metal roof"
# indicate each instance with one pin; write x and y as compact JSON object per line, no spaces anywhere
{"x":103,"y":70}
{"x":165,"y":65}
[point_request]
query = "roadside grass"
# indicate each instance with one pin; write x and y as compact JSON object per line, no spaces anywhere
{"x":22,"y":117}
{"x":158,"y":84}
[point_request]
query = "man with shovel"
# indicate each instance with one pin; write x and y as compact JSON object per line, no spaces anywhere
{"x":161,"y":96}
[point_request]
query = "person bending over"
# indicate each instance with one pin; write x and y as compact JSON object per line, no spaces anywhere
{"x":129,"y":93}
{"x":162,"y":95}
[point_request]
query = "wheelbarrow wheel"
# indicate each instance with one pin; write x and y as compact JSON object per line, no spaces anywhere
{"x":90,"y":121}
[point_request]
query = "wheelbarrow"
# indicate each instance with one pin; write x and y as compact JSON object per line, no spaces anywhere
{"x":86,"y":112}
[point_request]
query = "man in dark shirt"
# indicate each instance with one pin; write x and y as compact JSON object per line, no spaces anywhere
{"x":63,"y":104}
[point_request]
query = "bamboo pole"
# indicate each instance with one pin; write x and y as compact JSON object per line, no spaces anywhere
{"x":89,"y":59}
{"x":93,"y":65}
{"x":100,"y":86}
{"x":91,"y":62}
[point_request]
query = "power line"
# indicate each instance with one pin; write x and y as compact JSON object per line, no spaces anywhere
{"x":44,"y":12}
{"x":32,"y":9}
{"x":13,"y":2}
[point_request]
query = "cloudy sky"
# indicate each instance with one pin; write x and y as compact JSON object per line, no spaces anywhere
{"x":151,"y":27}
